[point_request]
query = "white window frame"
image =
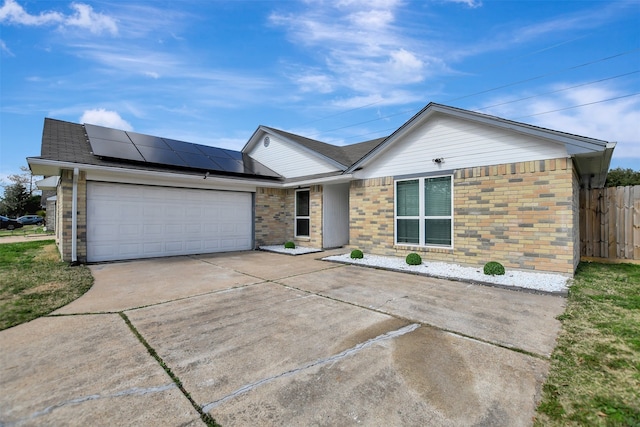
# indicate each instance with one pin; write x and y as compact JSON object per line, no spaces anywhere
{"x":296,"y":217}
{"x":421,"y":217}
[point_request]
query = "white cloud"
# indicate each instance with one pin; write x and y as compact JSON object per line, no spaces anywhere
{"x":614,"y":121}
{"x":13,"y":13}
{"x":5,"y":49}
{"x":102,"y":117}
{"x":359,"y":47}
{"x":405,"y":67}
{"x":312,"y":82}
{"x":84,"y":17}
{"x":470,"y":3}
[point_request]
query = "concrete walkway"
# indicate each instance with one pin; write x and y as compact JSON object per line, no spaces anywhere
{"x":257,"y":338}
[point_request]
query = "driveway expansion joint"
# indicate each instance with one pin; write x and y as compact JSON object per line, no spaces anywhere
{"x":205,"y":417}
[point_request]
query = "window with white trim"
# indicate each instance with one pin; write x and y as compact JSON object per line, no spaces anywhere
{"x":302,"y":213}
{"x":424,"y":211}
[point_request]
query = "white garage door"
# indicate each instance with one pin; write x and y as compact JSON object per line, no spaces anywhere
{"x":137,"y":221}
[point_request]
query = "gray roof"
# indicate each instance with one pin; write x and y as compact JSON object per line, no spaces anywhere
{"x":345,"y":155}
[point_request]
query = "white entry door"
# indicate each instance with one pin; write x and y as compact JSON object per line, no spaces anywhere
{"x":335,"y":218}
{"x":127,"y":221}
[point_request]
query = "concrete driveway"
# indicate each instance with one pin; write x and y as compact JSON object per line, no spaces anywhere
{"x":257,"y":338}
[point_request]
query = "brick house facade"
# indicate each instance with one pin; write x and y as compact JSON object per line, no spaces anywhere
{"x":513,"y":191}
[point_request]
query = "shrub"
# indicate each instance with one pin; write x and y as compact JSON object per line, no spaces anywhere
{"x":290,"y":245}
{"x":357,"y":254}
{"x":414,"y":259}
{"x":493,"y":268}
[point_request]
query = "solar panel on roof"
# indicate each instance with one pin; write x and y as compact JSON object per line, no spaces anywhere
{"x":115,"y":149}
{"x":101,"y":132}
{"x":182,"y":146}
{"x":233,"y":154}
{"x":199,"y":161}
{"x":211,"y":151}
{"x":160,"y":156}
{"x":255,"y":168}
{"x":138,"y":147}
{"x":229,"y":165}
{"x":147,"y":140}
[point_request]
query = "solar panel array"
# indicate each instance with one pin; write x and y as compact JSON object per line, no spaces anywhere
{"x":119,"y":144}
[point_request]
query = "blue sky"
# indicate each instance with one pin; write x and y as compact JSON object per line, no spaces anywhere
{"x":342,"y":71}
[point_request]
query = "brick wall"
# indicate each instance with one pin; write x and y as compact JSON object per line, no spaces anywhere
{"x":371,"y":210}
{"x":520,"y":214}
{"x":273,"y":219}
{"x":274,"y":223}
{"x":64,"y":216}
{"x":315,"y":219}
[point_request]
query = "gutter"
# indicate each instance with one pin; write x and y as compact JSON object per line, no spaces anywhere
{"x":74,"y":218}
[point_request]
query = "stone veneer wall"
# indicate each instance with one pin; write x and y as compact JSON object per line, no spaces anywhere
{"x":274,"y":217}
{"x":64,"y":216}
{"x":520,"y":214}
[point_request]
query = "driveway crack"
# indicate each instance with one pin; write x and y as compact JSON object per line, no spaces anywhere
{"x":135,"y":391}
{"x":319,"y":362}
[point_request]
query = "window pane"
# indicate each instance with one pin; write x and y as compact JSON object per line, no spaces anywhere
{"x":437,"y":232}
{"x":437,"y":196}
{"x":407,"y":201}
{"x":302,"y":203}
{"x":408,"y":231}
{"x":302,"y":227}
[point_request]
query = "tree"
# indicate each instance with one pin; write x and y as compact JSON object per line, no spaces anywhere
{"x":19,"y":198}
{"x":619,"y":177}
{"x":14,"y":202}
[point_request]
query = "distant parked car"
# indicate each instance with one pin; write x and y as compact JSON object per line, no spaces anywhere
{"x":31,"y":219}
{"x":9,"y":223}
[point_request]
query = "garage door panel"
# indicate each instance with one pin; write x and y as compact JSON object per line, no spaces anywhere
{"x":127,"y":221}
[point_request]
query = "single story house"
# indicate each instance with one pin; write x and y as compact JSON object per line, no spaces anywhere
{"x":451,"y":184}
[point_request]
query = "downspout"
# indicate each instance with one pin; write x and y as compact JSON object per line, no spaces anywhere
{"x":74,"y":218}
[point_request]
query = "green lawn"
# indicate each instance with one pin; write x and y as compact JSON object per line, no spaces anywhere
{"x":34,"y":282}
{"x":27,"y":229}
{"x":595,"y":369}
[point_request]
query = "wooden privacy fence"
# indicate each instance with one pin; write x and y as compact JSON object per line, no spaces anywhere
{"x":610,"y":223}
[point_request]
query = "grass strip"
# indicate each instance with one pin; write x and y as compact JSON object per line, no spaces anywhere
{"x":205,"y":417}
{"x":34,"y":281}
{"x":594,"y":377}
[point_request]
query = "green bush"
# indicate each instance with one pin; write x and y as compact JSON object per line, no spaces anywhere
{"x":414,"y":259}
{"x":357,"y":254}
{"x":493,"y":268}
{"x":289,"y":245}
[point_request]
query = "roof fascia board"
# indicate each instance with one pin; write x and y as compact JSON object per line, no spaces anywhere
{"x":105,"y":173}
{"x":316,"y":181}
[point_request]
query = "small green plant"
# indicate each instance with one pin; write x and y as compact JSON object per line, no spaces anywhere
{"x":414,"y":259}
{"x":493,"y":268}
{"x":357,"y":254}
{"x":289,"y":245}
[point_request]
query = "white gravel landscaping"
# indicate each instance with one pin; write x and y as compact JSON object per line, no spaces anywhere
{"x":298,"y":250}
{"x":545,"y":282}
